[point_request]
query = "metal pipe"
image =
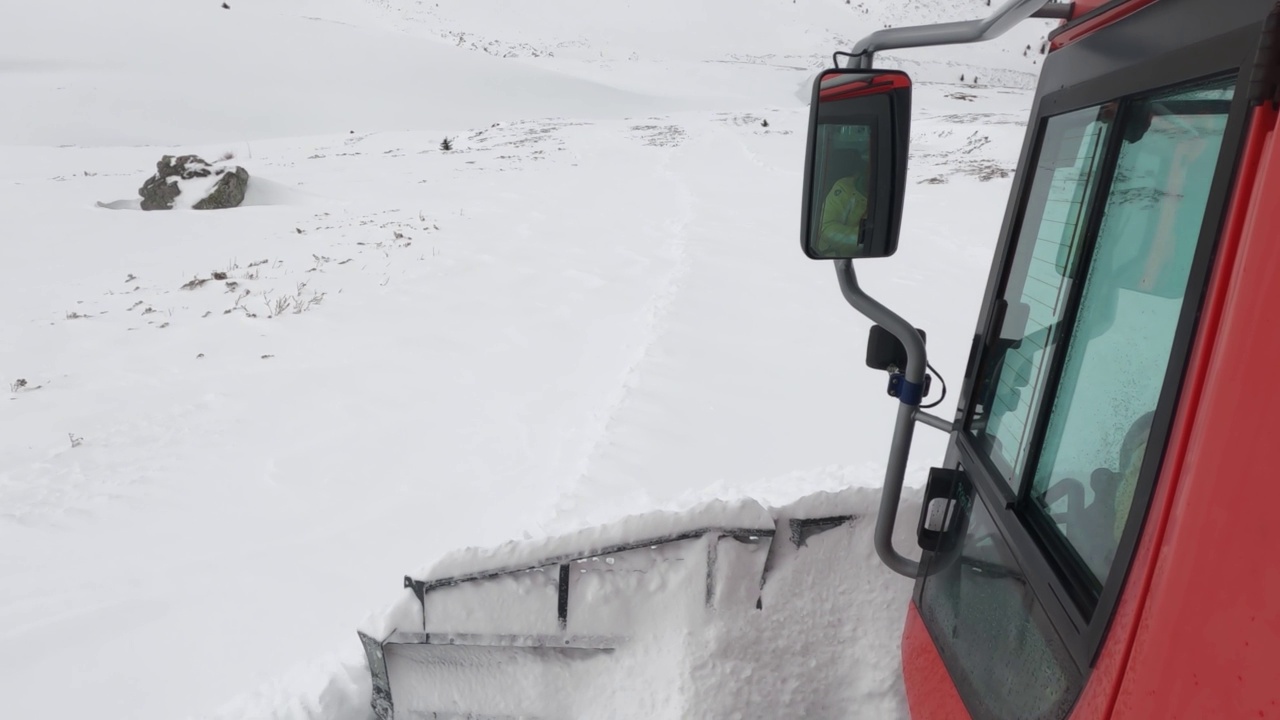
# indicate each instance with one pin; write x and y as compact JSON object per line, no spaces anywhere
{"x":952,"y":33}
{"x":894,"y":475}
{"x":903,"y":430}
{"x":886,"y":318}
{"x":934,"y":421}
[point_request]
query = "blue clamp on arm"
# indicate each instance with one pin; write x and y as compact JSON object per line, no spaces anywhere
{"x":908,"y":393}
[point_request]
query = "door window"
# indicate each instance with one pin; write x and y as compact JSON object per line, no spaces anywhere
{"x":1082,"y":355}
{"x":1038,"y":288}
{"x":1119,"y":349}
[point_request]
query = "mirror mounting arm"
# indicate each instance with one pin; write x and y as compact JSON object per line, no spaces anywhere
{"x":908,"y":415}
{"x":886,"y":318}
{"x":954,"y":33}
{"x":934,"y":421}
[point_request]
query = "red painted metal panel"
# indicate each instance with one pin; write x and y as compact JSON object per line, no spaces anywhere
{"x":1084,"y":7}
{"x":1207,"y":640}
{"x":878,"y":85}
{"x":930,"y":693}
{"x":1073,"y":33}
{"x":1100,"y":694}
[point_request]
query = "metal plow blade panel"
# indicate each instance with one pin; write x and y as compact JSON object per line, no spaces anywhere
{"x":540,"y":639}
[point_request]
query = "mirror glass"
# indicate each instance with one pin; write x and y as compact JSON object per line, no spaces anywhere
{"x":856,"y":163}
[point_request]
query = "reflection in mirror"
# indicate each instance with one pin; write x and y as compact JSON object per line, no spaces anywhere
{"x":844,"y":158}
{"x":856,"y":164}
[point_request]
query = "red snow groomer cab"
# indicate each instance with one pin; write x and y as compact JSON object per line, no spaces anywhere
{"x":1101,"y":538}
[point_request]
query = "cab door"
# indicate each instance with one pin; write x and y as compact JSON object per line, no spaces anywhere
{"x":1076,"y":372}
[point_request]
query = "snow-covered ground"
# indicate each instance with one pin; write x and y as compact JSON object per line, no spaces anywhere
{"x":592,"y":306}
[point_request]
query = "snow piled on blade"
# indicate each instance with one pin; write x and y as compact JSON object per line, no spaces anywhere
{"x":741,"y":514}
{"x":822,"y":641}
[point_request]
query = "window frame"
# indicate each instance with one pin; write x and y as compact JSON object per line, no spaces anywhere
{"x":1082,"y":630}
{"x":1054,"y":347}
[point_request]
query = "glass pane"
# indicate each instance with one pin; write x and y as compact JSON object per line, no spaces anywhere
{"x":1037,"y":288}
{"x":842,"y":185}
{"x":1120,"y":346}
{"x":995,"y":639}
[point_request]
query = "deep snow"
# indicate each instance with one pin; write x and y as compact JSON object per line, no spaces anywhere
{"x":593,"y":306}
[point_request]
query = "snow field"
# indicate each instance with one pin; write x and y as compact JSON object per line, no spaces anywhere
{"x":593,"y":306}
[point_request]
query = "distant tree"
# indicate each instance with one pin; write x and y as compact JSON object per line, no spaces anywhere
{"x":446,"y":144}
{"x":764,"y":123}
{"x":226,"y":6}
{"x":961,"y":77}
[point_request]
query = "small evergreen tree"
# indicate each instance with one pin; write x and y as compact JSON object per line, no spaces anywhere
{"x":446,"y":144}
{"x":764,"y":123}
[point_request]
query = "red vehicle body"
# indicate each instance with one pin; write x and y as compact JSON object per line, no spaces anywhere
{"x":1184,"y":620}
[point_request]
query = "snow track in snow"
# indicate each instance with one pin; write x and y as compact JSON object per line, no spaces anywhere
{"x":652,"y":329}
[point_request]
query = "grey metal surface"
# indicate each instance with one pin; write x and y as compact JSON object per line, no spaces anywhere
{"x":380,"y":701}
{"x":423,"y":645}
{"x":886,"y":318}
{"x":589,"y":642}
{"x":423,"y":586}
{"x":904,"y":429}
{"x":953,"y":33}
{"x":934,"y":421}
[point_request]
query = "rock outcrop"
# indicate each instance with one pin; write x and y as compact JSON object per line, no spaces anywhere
{"x":191,"y":174}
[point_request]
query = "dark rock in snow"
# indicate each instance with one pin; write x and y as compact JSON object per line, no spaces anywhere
{"x":161,"y":189}
{"x":228,"y":193}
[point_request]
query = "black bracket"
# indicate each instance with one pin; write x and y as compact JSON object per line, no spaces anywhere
{"x":562,"y":601}
{"x":802,"y":530}
{"x":419,"y":589}
{"x":908,"y":392}
{"x":835,"y":57}
{"x":885,"y":352}
{"x":936,"y":531}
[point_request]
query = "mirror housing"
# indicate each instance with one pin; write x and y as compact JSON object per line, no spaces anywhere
{"x":884,"y":351}
{"x":855,"y":172}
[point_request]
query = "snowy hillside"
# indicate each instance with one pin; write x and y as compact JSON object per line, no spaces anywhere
{"x":228,"y":434}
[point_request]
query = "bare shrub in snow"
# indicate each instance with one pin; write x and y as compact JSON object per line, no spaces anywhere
{"x":299,"y":302}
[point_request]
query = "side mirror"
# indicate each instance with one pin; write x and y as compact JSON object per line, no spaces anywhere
{"x":856,"y":164}
{"x":884,"y":351}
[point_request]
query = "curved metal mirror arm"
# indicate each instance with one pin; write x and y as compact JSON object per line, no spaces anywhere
{"x":955,"y":33}
{"x":904,"y":428}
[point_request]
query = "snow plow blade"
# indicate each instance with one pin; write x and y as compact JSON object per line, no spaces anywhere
{"x":617,"y":621}
{"x":557,"y":619}
{"x":432,"y":674}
